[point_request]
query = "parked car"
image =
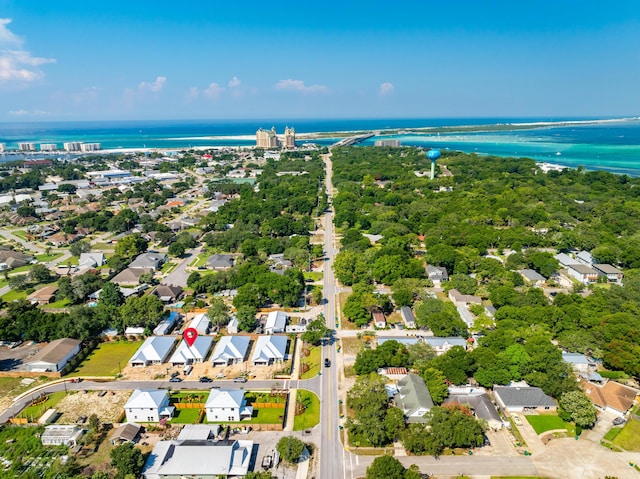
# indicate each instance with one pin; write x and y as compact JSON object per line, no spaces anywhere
{"x":240,"y":379}
{"x":619,"y":421}
{"x":175,"y":380}
{"x":205,"y":379}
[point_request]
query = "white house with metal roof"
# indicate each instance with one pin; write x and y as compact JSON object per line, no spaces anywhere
{"x":230,"y":350}
{"x":276,"y":322}
{"x":201,"y":323}
{"x":413,"y":398}
{"x":227,"y":405}
{"x":148,"y":405}
{"x":201,"y":459}
{"x":270,"y":349}
{"x":196,"y":353}
{"x":579,"y":362}
{"x":154,"y":350}
{"x":442,"y":345}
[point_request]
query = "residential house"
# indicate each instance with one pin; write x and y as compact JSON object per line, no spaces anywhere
{"x":148,"y":405}
{"x":437,"y":274}
{"x":406,"y":340}
{"x":10,"y":259}
{"x":228,"y":405}
{"x":279,"y":264}
{"x":199,"y":459}
{"x":379,"y":321}
{"x":54,"y":356}
{"x":196,"y":353}
{"x":465,"y":300}
{"x":585,"y":258}
{"x":201,"y":323}
{"x":149,"y":260}
{"x":527,"y":398}
{"x":220,"y":262}
{"x":583,"y":273}
{"x":270,"y":349}
{"x":613,"y":397}
{"x":408,"y":317}
{"x":276,"y":322}
{"x":130,"y":276}
{"x":579,"y":362}
{"x":442,"y":345}
{"x":44,"y":295}
{"x":477,"y":400}
{"x":532,"y":277}
{"x":154,"y":350}
{"x":93,"y":259}
{"x":127,"y":432}
{"x":230,"y":350}
{"x":166,"y":325}
{"x":232,"y":325}
{"x":565,"y":260}
{"x":413,"y":398}
{"x":200,"y":432}
{"x":168,"y":293}
{"x":61,"y":435}
{"x":613,"y":274}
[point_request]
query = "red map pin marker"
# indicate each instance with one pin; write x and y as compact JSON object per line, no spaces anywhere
{"x":190,"y":335}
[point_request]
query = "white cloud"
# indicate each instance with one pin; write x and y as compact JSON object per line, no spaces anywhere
{"x":86,"y":95}
{"x":154,"y":86}
{"x":192,"y":94}
{"x":386,"y":88}
{"x":23,"y":112}
{"x":16,"y":63}
{"x":213,"y":90}
{"x":234,"y":82}
{"x":298,"y":85}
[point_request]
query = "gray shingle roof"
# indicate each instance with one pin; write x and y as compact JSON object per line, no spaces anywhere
{"x":523,"y":397}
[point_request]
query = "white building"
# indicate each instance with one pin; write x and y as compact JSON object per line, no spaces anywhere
{"x":154,"y":350}
{"x":48,"y":147}
{"x":85,"y":147}
{"x":61,"y":435}
{"x":442,"y":345}
{"x":54,"y":356}
{"x":72,"y":146}
{"x":196,"y":353}
{"x":27,"y":146}
{"x":227,"y":405}
{"x":201,"y":323}
{"x":276,"y":322}
{"x":583,"y":273}
{"x":148,"y":405}
{"x":230,"y":350}
{"x":3,"y":147}
{"x":270,"y":349}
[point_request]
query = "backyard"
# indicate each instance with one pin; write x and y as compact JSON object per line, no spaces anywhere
{"x":549,"y":422}
{"x":107,"y":359}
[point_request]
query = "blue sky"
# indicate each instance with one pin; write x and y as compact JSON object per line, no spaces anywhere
{"x":112,"y":59}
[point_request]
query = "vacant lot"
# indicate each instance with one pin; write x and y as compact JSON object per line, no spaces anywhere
{"x":546,"y":423}
{"x":629,"y":437}
{"x":312,"y":360}
{"x":107,"y":359}
{"x":108,"y":407}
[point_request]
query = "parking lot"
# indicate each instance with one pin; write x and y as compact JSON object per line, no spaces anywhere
{"x":13,"y":359}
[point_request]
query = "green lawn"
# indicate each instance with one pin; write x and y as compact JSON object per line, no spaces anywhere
{"x":546,"y":422}
{"x":200,"y":260}
{"x":34,"y":412}
{"x":61,"y":303}
{"x":22,"y":269}
{"x":313,"y":360}
{"x":20,"y":234}
{"x":45,"y":258}
{"x":107,"y":359}
{"x":14,"y":295}
{"x":168,"y":267}
{"x":185,"y":416}
{"x":313,"y":275}
{"x":311,"y":415}
{"x":267,"y":416}
{"x":629,"y":437}
{"x":612,"y":433}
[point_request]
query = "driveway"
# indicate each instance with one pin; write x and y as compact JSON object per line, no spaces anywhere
{"x":179,"y":276}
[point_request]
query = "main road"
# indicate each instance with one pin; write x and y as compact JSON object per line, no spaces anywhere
{"x":332,"y":453}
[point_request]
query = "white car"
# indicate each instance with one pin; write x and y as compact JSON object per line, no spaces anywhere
{"x":516,"y":419}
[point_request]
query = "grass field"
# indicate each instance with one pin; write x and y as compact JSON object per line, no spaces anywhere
{"x":45,"y":258}
{"x":546,"y":422}
{"x":32,"y":413}
{"x":61,"y":303}
{"x":311,"y":415}
{"x":185,"y":416}
{"x":22,"y":234}
{"x":313,"y":275}
{"x":14,"y":295}
{"x":629,"y":437}
{"x":107,"y":359}
{"x":612,"y":433}
{"x":267,"y":416}
{"x":313,"y":360}
{"x":200,"y":260}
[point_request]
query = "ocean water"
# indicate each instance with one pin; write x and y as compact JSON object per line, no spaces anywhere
{"x":608,"y":145}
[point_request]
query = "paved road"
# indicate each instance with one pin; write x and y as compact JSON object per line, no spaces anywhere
{"x":179,"y":276}
{"x":26,"y":244}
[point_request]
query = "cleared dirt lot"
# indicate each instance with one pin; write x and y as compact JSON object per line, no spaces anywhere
{"x":108,"y":407}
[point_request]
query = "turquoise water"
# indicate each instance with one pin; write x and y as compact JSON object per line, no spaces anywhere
{"x":611,"y":146}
